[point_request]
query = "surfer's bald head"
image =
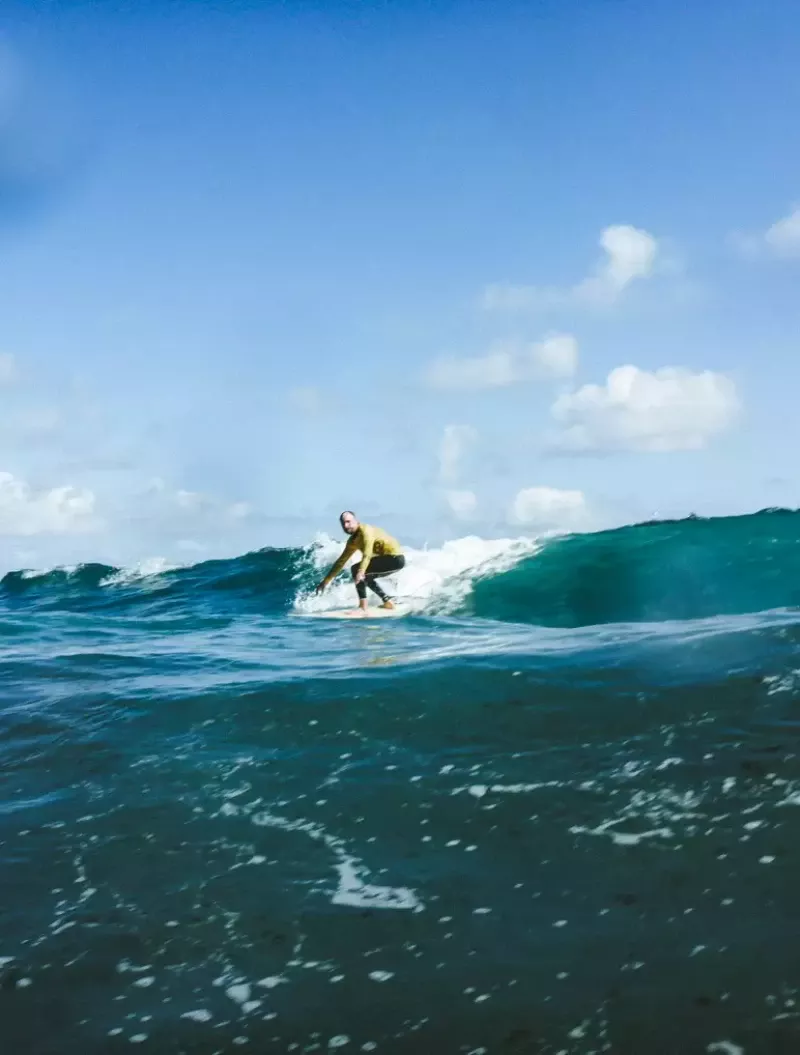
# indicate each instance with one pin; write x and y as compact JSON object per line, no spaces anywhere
{"x":349,"y":521}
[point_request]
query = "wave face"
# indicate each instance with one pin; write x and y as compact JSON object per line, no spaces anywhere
{"x":688,"y":569}
{"x":557,"y":808}
{"x":269,"y":576}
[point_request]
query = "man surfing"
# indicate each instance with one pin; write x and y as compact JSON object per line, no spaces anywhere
{"x":380,"y":555}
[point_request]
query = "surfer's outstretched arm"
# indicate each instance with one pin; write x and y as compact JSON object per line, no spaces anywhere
{"x":347,"y":552}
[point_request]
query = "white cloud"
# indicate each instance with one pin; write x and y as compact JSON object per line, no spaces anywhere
{"x":555,"y":356}
{"x":456,"y":439}
{"x":8,"y":368}
{"x":782,"y":239}
{"x":630,"y":254}
{"x":548,"y":507}
{"x":507,"y":363}
{"x":667,"y":410}
{"x":60,"y":511}
{"x":462,"y":503}
{"x":494,"y":370}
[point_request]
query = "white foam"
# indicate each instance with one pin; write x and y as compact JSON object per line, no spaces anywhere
{"x":352,"y":890}
{"x":200,"y":1015}
{"x":669,"y":762}
{"x":148,"y":568}
{"x":622,"y":838}
{"x":358,"y":894}
{"x":125,"y":965}
{"x":479,"y":791}
{"x":35,"y":573}
{"x":725,"y":1047}
{"x":433,"y":580}
{"x":782,"y":683}
{"x":240,"y":994}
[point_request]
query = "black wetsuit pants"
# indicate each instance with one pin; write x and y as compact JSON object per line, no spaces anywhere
{"x":378,"y":566}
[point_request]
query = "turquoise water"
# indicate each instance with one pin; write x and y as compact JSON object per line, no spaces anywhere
{"x":556,"y":809}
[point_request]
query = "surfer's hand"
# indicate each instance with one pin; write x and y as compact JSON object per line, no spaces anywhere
{"x":360,"y":576}
{"x":320,"y":587}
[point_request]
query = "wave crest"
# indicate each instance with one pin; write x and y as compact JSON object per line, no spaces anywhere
{"x":661,"y":570}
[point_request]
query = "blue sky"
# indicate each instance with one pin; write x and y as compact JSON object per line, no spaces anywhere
{"x":245,"y":250}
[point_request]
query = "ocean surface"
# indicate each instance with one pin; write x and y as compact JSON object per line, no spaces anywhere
{"x":555,"y":808}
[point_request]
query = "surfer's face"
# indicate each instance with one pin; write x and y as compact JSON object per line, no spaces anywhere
{"x":349,"y":524}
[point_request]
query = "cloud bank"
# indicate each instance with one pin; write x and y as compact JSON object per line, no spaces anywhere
{"x":461,"y":503}
{"x":508,"y":363}
{"x":781,"y":240}
{"x":25,"y":511}
{"x":548,"y":508}
{"x":670,"y":409}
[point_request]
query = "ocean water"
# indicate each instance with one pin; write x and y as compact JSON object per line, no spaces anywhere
{"x":554,"y":809}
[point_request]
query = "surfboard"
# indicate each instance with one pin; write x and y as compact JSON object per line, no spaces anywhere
{"x":350,"y":613}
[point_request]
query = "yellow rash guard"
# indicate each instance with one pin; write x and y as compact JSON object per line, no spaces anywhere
{"x":372,"y":542}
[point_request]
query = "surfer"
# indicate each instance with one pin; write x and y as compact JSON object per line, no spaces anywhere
{"x":380,"y":555}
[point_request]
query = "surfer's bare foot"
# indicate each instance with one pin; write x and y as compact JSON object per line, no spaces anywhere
{"x":387,"y":604}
